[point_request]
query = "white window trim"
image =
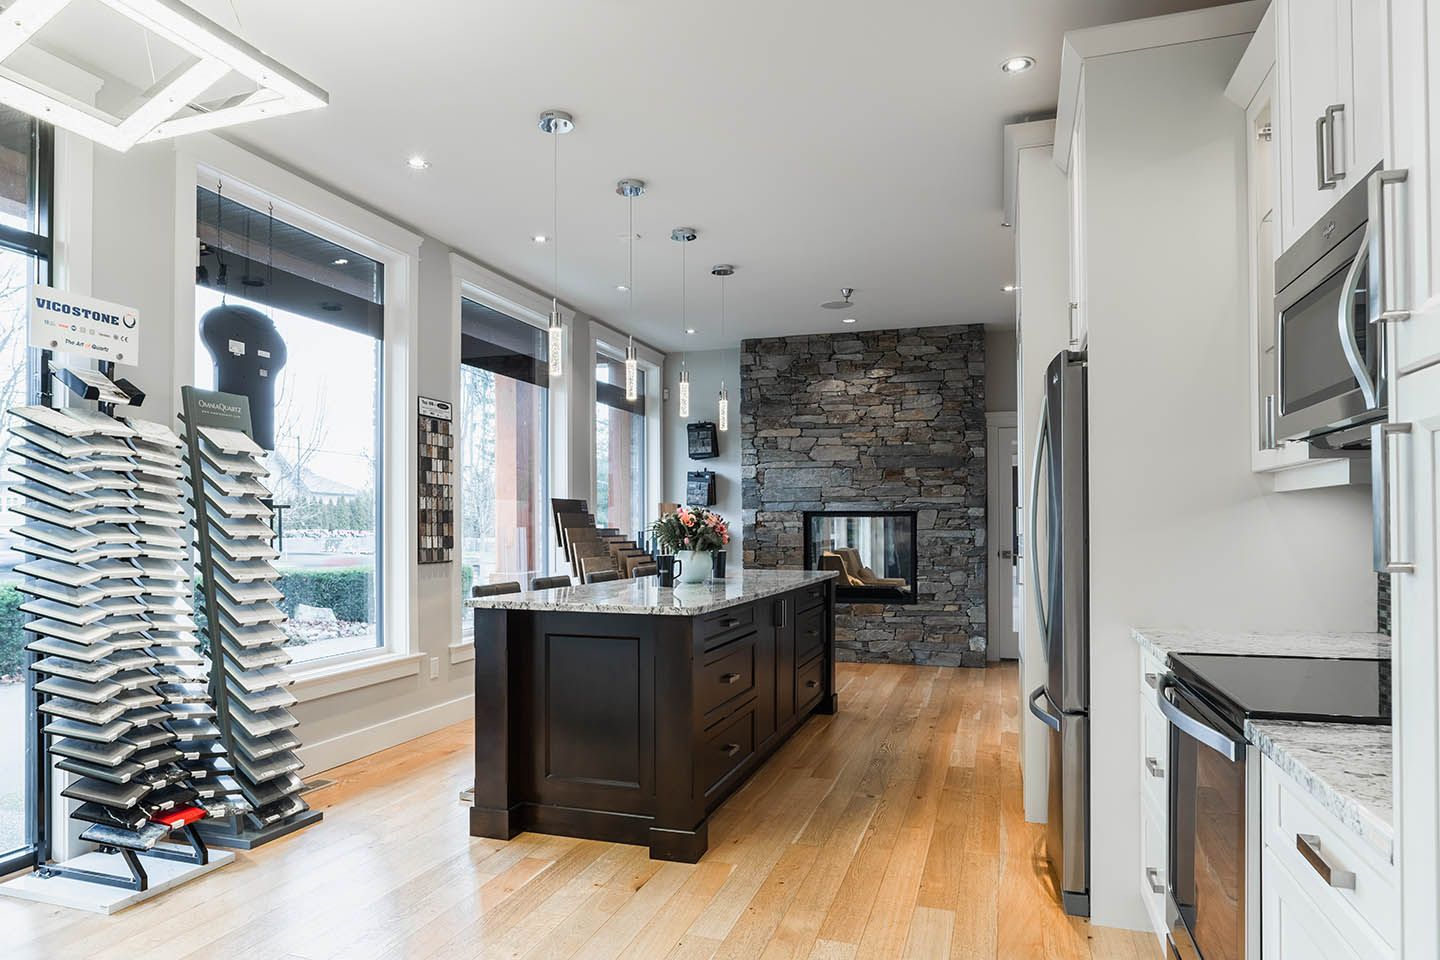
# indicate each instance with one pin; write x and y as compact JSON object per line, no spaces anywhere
{"x":249,"y":179}
{"x":611,"y":342}
{"x":469,"y":280}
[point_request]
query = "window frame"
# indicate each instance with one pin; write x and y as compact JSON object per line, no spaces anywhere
{"x":470,"y":281}
{"x":611,"y":343}
{"x":248,"y":179}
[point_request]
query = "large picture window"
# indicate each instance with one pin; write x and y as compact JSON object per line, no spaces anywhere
{"x":504,"y":438}
{"x":25,"y":186}
{"x":326,"y":304}
{"x":620,"y":466}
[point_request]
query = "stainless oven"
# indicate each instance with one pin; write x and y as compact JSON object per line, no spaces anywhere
{"x":1212,"y":895}
{"x":1322,"y":367}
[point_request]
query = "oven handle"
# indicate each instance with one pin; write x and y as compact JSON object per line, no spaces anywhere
{"x":1041,"y":714}
{"x":1223,"y":744}
{"x":1345,"y":317}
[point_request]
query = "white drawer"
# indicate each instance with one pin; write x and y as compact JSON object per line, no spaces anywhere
{"x":1153,"y":868}
{"x":1294,"y":927}
{"x":1151,"y":670}
{"x":1154,"y":753}
{"x":1366,"y":913}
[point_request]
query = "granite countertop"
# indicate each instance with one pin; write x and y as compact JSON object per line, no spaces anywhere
{"x":646,"y":596}
{"x":1344,"y":646}
{"x":1344,"y":766}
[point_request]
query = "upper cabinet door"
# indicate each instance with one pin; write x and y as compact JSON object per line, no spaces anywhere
{"x":1079,"y":326}
{"x":1309,"y":98}
{"x":1362,"y":123}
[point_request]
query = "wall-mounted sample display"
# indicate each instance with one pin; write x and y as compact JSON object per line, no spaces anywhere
{"x":700,"y":488}
{"x":436,"y":468}
{"x":232,"y":517}
{"x":248,"y":353}
{"x":122,"y":703}
{"x":703,"y":440}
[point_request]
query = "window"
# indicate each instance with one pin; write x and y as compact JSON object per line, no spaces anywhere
{"x":326,"y":305}
{"x":620,"y":467}
{"x":503,"y":436}
{"x":26,"y":168}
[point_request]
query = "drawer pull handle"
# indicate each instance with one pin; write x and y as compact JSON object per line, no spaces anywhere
{"x":812,"y":633}
{"x":1153,"y":680}
{"x":728,"y":678}
{"x":1152,"y":879}
{"x":1153,"y":765}
{"x":730,"y":749}
{"x":1309,"y":847}
{"x":812,"y":683}
{"x":729,"y":622}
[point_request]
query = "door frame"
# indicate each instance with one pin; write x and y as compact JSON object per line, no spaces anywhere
{"x":997,"y":477}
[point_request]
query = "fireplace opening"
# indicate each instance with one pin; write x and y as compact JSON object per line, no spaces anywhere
{"x":872,"y":551}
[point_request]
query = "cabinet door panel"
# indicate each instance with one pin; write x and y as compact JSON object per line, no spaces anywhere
{"x":1309,"y":69}
{"x":1364,"y":125}
{"x":1293,"y":927}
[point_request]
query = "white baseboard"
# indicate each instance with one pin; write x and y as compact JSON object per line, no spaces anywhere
{"x":355,"y":744}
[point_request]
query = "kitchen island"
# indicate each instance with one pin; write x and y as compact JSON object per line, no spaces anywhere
{"x":628,"y":712}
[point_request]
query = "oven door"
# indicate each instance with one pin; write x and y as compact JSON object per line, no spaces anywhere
{"x":1207,"y":891}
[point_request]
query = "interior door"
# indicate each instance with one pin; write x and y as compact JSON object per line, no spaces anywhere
{"x":1005,"y":558}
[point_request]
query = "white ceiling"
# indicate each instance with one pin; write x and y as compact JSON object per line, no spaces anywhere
{"x":815,"y":144}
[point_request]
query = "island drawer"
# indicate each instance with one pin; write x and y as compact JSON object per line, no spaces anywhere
{"x":810,"y":683}
{"x":811,"y":596}
{"x":712,"y":629}
{"x":726,"y":673}
{"x":809,"y":633}
{"x":728,"y":745}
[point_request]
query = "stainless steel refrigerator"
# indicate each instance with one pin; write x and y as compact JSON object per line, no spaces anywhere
{"x":1059,"y":551}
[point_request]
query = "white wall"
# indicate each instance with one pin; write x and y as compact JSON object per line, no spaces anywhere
{"x":1043,"y":324}
{"x":707,"y":369}
{"x":1182,"y":533}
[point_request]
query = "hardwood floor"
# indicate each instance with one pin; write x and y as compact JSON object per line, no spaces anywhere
{"x":891,"y":830}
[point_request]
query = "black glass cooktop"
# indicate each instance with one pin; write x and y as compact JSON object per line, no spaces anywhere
{"x":1289,"y":688}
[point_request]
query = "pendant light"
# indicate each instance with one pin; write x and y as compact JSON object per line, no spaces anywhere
{"x":683,"y":236}
{"x":630,"y":189}
{"x":722,"y":415}
{"x":556,"y":123}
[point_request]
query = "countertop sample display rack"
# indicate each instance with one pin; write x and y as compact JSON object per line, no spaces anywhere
{"x":118,"y":691}
{"x":234,"y":542}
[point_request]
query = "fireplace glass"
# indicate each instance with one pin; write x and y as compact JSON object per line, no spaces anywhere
{"x":873,"y":553}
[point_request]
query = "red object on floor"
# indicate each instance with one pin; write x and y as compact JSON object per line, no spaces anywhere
{"x":181,"y":817}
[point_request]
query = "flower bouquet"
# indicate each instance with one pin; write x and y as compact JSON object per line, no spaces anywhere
{"x":689,"y":533}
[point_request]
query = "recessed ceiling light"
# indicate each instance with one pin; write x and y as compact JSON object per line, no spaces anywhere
{"x":417,"y":162}
{"x":340,"y":261}
{"x":540,"y":238}
{"x":1009,"y":288}
{"x":621,"y":287}
{"x":848,"y":320}
{"x":1017,"y":64}
{"x":690,"y":330}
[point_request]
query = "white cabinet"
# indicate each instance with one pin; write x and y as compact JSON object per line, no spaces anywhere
{"x":1330,"y":109}
{"x":1153,"y":760}
{"x":1079,"y":328}
{"x":1294,"y":927}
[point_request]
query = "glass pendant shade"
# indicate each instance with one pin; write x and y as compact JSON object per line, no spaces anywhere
{"x":684,"y":394}
{"x":556,"y":341}
{"x":632,"y":372}
{"x":722,"y":416}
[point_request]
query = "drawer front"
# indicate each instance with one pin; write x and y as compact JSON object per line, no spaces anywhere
{"x":809,"y":634}
{"x":1366,"y":905}
{"x":1153,"y":867}
{"x":1154,"y":752}
{"x":810,"y":683}
{"x":810,"y":597}
{"x":1295,"y":927}
{"x":728,"y":672}
{"x":727,"y":746}
{"x":715,"y":628}
{"x":1151,"y":670}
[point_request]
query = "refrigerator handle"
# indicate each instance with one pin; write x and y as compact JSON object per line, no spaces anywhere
{"x":1041,"y":714}
{"x":1032,"y":546}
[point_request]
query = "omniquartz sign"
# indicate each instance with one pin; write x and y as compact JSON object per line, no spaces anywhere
{"x":70,"y":323}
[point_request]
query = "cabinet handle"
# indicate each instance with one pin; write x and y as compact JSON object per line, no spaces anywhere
{"x":1152,"y":680}
{"x":1152,"y":879}
{"x":812,"y":633}
{"x":1309,"y":847}
{"x":810,"y":684}
{"x":729,"y":622}
{"x":730,"y":749}
{"x":1336,"y":172}
{"x":1380,"y":470}
{"x":1153,"y":765}
{"x":1267,"y":441}
{"x":1380,"y":310}
{"x":1321,"y":181}
{"x":728,"y":678}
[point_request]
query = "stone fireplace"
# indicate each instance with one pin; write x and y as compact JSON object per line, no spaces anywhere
{"x":874,"y":423}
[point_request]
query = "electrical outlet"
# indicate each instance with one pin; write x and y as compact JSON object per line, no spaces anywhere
{"x":434,"y":668}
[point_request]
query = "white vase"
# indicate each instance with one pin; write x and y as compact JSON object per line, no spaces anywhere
{"x":694,"y":566}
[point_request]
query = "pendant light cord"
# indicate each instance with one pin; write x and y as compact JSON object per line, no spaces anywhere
{"x":555,"y":215}
{"x":631,"y":274}
{"x":683,"y":322}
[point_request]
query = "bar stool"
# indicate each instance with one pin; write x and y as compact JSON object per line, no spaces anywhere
{"x":603,"y":576}
{"x":649,"y":569}
{"x":550,"y":583}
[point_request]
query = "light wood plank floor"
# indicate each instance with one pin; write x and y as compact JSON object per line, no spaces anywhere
{"x":891,"y":830}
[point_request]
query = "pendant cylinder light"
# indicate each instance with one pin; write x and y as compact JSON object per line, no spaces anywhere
{"x":556,"y":123}
{"x":722,"y":413}
{"x":630,"y":188}
{"x":632,"y":372}
{"x":683,"y":236}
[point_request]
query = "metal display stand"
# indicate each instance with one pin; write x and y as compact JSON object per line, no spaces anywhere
{"x":117,"y":689}
{"x":232,"y":518}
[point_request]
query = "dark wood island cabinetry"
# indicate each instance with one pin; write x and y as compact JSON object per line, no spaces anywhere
{"x":628,"y":712}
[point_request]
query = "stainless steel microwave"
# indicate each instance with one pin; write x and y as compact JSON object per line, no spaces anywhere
{"x":1322,"y":374}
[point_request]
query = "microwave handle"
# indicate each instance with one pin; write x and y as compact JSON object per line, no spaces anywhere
{"x":1345,"y":318}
